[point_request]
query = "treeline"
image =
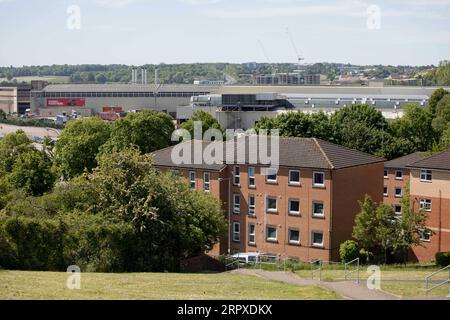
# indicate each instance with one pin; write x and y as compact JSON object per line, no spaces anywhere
{"x":95,"y":200}
{"x":440,"y":76}
{"x":187,"y":73}
{"x":364,"y":128}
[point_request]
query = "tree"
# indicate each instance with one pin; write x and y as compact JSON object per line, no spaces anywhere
{"x":435,"y":97}
{"x":442,"y":116}
{"x":79,"y":144}
{"x":32,"y":172}
{"x":206,"y":119}
{"x":11,"y":146}
{"x":2,"y":115}
{"x":415,"y":126}
{"x":148,"y":130}
{"x":410,"y":225}
{"x":100,"y":78}
{"x":444,"y":144}
{"x":365,"y":229}
{"x":359,"y":127}
{"x":171,"y":221}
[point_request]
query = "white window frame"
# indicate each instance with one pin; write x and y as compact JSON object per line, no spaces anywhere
{"x":289,"y":206}
{"x":386,"y":174}
{"x":206,"y":184}
{"x":236,"y":204}
{"x":267,"y":204}
{"x":252,"y":234}
{"x":294,"y":183}
{"x":236,"y":234}
{"x":424,"y":175}
{"x":422,"y":203}
{"x":318,"y":245}
{"x":267,"y":233}
{"x":401,"y":192}
{"x":395,"y":207}
{"x":323,"y":207}
{"x":251,"y":208}
{"x":398,"y":178}
{"x":251,"y":176}
{"x":289,"y":236}
{"x":236,"y":176}
{"x":423,"y":232}
{"x":314,"y":179}
{"x":268,"y":170}
{"x":385,"y":194}
{"x":193,"y":181}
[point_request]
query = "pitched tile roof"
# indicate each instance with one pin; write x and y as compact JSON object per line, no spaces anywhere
{"x":402,"y":162}
{"x":293,"y":152}
{"x":439,"y":161}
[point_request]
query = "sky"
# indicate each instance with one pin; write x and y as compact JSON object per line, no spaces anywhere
{"x":136,"y":32}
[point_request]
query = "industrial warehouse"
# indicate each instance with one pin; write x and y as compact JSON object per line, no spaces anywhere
{"x":234,"y":106}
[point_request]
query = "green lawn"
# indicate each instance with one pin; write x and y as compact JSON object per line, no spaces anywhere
{"x":52,"y":285}
{"x":400,"y":288}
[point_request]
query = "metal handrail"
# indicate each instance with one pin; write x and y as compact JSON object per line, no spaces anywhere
{"x":347,"y":272}
{"x":427,"y":280}
{"x":319,"y":268}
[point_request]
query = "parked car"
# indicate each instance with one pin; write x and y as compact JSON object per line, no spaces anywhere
{"x":247,"y":257}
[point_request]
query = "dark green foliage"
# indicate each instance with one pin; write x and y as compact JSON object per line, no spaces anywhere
{"x":442,"y":258}
{"x":147,"y":130}
{"x":43,"y":123}
{"x":79,"y":144}
{"x":349,"y":250}
{"x":207,"y":120}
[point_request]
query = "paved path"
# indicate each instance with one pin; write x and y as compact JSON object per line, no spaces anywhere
{"x":347,"y":289}
{"x":30,"y":131}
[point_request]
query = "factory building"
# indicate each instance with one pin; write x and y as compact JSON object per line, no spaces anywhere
{"x":234,"y":106}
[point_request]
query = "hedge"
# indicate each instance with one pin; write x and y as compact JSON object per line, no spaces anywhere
{"x":442,"y":258}
{"x":31,"y":123}
{"x":52,"y":244}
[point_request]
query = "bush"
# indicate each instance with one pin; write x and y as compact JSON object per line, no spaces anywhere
{"x":44,"y":123}
{"x":31,"y":243}
{"x":349,"y":250}
{"x":442,"y":258}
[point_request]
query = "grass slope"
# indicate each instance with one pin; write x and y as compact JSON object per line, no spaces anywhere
{"x":52,"y":285}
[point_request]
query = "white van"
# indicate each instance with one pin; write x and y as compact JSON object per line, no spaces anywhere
{"x":247,"y":257}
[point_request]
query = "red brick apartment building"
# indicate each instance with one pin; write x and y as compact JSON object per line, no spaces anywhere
{"x":396,"y":179}
{"x":304,"y":211}
{"x":430,"y":191}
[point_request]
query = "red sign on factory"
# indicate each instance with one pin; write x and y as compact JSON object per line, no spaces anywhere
{"x":66,"y":102}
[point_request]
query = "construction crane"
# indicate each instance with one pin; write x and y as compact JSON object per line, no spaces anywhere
{"x":274,"y":70}
{"x":298,"y":55}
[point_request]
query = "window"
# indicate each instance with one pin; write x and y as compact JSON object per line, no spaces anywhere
{"x":317,"y":239}
{"x":399,"y":175}
{"x":398,"y":192}
{"x":251,"y":205}
{"x":426,"y":175}
{"x":398,"y":209}
{"x":251,"y":176}
{"x":385,"y":191}
{"x":425,"y":235}
{"x":385,"y":174}
{"x":192,"y":179}
{"x":318,"y":179}
{"x":271,"y":175}
{"x":271,"y":204}
{"x":425,"y":204}
{"x":318,"y":209}
{"x":206,"y":181}
{"x":237,"y":176}
{"x":251,"y":233}
{"x":236,"y":231}
{"x":294,"y":177}
{"x":294,"y":206}
{"x":294,"y":236}
{"x":236,"y":203}
{"x":271,"y":234}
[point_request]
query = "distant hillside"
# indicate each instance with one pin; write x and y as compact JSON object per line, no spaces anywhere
{"x":440,"y":76}
{"x":187,"y":73}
